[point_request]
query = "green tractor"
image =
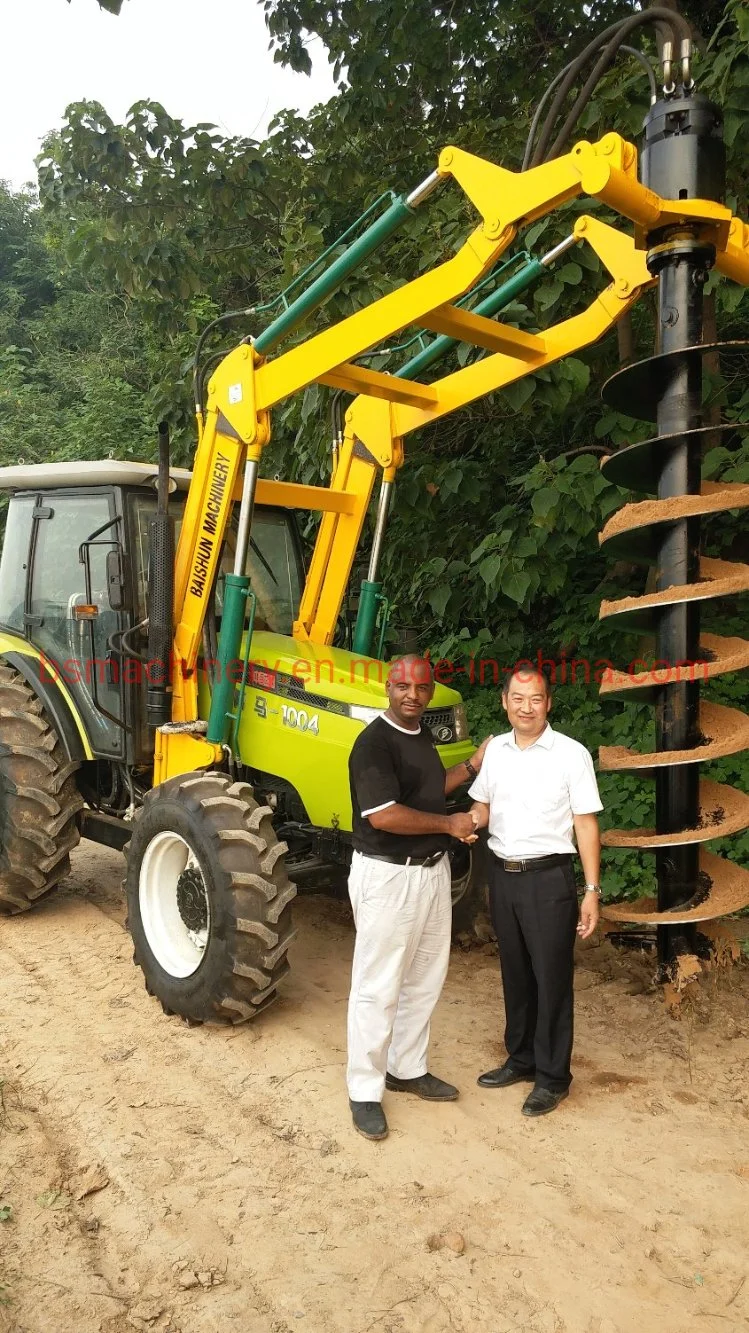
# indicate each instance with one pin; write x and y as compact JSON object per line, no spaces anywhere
{"x":213,"y":856}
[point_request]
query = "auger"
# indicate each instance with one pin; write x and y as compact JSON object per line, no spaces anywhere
{"x":684,"y":159}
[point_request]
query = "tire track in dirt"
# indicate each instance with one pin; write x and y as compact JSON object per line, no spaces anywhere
{"x":230,"y":1156}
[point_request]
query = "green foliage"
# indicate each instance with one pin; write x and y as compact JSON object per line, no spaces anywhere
{"x":79,"y":371}
{"x":150,"y":228}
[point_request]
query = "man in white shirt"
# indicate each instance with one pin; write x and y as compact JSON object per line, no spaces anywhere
{"x":535,"y":787}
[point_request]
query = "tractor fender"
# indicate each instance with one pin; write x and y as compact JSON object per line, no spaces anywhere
{"x":58,"y":704}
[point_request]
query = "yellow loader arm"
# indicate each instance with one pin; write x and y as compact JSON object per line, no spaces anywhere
{"x":246,"y":386}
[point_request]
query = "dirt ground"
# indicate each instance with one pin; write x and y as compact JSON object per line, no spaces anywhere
{"x":200,"y":1180}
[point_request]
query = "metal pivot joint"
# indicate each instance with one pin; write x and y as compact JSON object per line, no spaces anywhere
{"x":683,"y":159}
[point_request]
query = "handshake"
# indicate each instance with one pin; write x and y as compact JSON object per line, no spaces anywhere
{"x":464,"y":826}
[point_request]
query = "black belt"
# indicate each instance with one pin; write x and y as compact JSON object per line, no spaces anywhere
{"x":405,"y":860}
{"x":515,"y":867}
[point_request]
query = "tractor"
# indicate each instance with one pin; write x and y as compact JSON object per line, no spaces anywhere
{"x":209,"y":852}
{"x":170,"y":681}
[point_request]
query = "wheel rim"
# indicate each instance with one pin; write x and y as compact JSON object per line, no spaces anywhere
{"x":174,"y":906}
{"x":461,"y":866}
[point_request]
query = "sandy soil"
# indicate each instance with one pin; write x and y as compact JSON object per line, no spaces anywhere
{"x":203,"y":1180}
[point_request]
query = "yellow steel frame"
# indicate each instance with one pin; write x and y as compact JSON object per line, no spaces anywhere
{"x":245,"y":387}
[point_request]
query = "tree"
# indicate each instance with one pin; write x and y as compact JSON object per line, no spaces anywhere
{"x":74,"y":366}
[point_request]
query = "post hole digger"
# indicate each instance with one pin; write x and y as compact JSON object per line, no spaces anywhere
{"x":169,"y":682}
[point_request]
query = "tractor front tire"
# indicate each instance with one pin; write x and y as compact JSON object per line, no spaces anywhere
{"x":208,"y":899}
{"x":39,"y":798}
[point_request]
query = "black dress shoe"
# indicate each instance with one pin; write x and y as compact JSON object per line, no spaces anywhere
{"x":428,"y":1087}
{"x":543,"y":1100}
{"x":369,"y":1119}
{"x":504,"y":1077}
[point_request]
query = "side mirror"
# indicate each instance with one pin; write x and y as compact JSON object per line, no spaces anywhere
{"x":116,"y":580}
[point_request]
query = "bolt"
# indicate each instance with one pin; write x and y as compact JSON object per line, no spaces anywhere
{"x":245,"y":353}
{"x":622,"y":286}
{"x":493,"y":227}
{"x":608,"y":145}
{"x":581,"y":225}
{"x":447,"y":158}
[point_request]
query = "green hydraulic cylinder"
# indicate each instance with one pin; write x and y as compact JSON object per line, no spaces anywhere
{"x":371,"y":598}
{"x":324,"y":286}
{"x":236,"y":593}
{"x":236,"y":589}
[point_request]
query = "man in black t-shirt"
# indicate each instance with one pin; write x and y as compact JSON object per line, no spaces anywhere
{"x":400,"y":894}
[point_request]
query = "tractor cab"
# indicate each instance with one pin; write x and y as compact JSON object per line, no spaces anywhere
{"x":74,"y":585}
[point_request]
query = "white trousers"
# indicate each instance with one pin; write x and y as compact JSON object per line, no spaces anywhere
{"x":403,"y":917}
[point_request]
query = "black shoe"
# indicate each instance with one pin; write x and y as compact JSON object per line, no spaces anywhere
{"x":504,"y":1077}
{"x":543,"y":1100}
{"x":369,"y":1119}
{"x":428,"y":1087}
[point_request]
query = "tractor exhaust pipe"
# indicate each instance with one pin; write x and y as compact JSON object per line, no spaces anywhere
{"x":160,"y":595}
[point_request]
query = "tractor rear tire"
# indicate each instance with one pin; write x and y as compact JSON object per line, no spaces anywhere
{"x":39,"y":798}
{"x":208,"y":899}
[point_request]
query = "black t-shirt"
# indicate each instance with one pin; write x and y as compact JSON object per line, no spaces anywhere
{"x":388,"y":765}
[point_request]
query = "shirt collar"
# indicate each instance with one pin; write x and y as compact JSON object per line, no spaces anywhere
{"x":405,"y":730}
{"x":545,"y":740}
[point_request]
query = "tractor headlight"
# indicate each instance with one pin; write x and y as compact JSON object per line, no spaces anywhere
{"x":365,"y":715}
{"x":461,"y":723}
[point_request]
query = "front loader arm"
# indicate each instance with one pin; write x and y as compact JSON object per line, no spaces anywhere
{"x":375,"y":429}
{"x":246,"y":385}
{"x":370,"y":447}
{"x":216,"y":474}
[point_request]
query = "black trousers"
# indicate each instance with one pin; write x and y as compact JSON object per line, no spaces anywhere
{"x":535,"y":916}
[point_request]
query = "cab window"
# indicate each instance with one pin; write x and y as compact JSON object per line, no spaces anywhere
{"x":273,"y":568}
{"x":273,"y":563}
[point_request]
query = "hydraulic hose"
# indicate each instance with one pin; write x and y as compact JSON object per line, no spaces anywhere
{"x":630,"y":51}
{"x":677,"y":26}
{"x":606,"y":59}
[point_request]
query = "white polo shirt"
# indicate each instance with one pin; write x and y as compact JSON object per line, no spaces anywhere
{"x":533,"y":793}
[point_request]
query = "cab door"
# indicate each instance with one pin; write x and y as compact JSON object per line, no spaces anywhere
{"x":68,"y":614}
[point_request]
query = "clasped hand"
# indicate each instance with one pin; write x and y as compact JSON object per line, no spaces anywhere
{"x":463,"y":826}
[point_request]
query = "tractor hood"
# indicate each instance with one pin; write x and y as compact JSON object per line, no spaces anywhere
{"x":303,"y":707}
{"x":334,"y":673}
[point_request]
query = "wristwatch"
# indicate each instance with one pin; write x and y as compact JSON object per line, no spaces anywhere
{"x":472,"y":772}
{"x":593,"y":888}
